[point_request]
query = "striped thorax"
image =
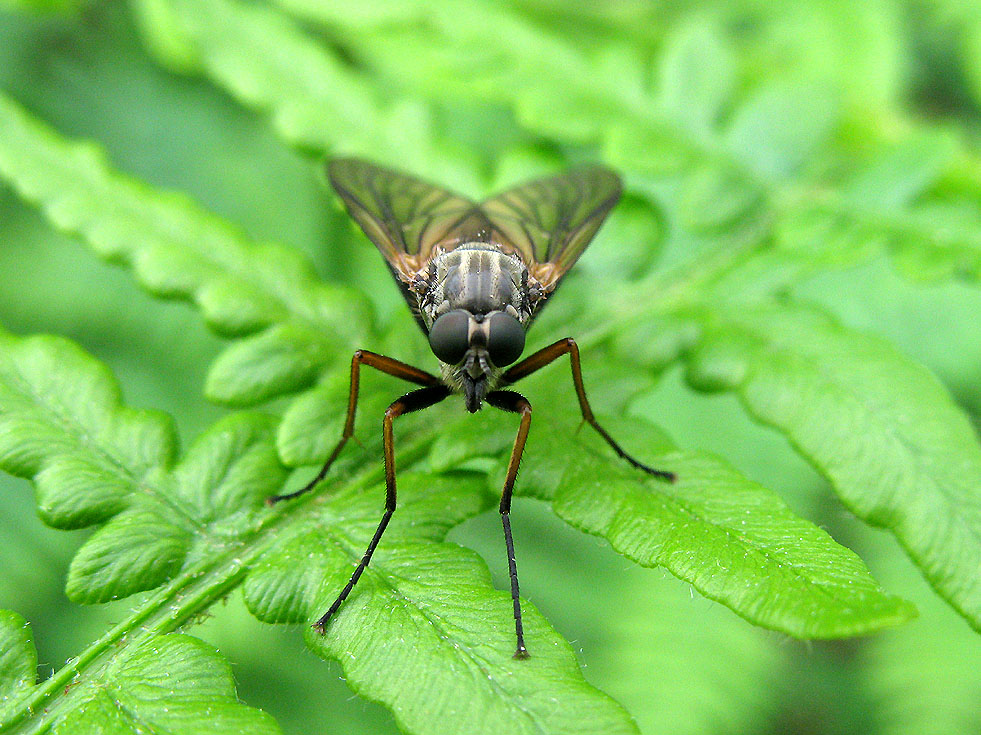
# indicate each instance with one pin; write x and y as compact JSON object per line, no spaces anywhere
{"x":479,"y":278}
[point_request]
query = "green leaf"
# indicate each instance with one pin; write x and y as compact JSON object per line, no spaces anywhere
{"x":313,"y":423}
{"x":18,"y":661}
{"x":368,"y":15}
{"x":436,"y":625}
{"x":885,"y":203}
{"x":178,"y":250}
{"x":780,"y":127}
{"x":170,"y":683}
{"x":895,"y":447}
{"x":452,"y":60}
{"x":163,"y":35}
{"x":316,"y":102}
{"x":313,"y":561}
{"x":283,"y":359}
{"x":717,"y":198}
{"x":135,"y":551}
{"x":232,"y":468}
{"x":901,"y":173}
{"x":733,"y":540}
{"x":425,"y":620}
{"x":580,"y":113}
{"x":697,"y":76}
{"x":280,"y":84}
{"x":62,"y":423}
{"x":630,"y":241}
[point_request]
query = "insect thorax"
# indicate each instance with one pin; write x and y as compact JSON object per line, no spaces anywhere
{"x":478,"y":277}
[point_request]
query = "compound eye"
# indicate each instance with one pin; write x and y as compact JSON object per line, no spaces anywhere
{"x":505,"y":339}
{"x":448,"y":336}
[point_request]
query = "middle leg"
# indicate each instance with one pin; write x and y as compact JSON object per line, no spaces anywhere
{"x":548,"y":355}
{"x":414,"y":401}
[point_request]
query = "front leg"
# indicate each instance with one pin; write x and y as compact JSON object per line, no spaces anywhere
{"x":383,"y":364}
{"x":515,"y":403}
{"x":546,"y":356}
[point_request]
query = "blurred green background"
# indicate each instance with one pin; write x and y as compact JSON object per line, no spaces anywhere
{"x":679,"y":663}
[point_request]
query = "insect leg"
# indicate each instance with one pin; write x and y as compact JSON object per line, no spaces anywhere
{"x":549,"y":354}
{"x":384,"y":364}
{"x":414,"y":401}
{"x":515,"y":403}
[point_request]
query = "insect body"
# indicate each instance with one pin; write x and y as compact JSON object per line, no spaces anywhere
{"x":474,"y":276}
{"x":476,"y":307}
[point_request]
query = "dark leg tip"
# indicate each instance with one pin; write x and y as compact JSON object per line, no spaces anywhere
{"x":321,"y":625}
{"x":662,"y":474}
{"x":521,"y":654}
{"x":273,"y":499}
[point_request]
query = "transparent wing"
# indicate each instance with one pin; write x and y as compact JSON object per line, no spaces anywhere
{"x":550,"y":221}
{"x":403,"y":216}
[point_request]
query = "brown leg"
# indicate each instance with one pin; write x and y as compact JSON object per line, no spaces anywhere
{"x":414,"y":401}
{"x":379,"y":362}
{"x":548,"y":355}
{"x":515,"y":403}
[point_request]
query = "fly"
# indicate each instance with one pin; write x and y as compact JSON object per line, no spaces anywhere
{"x":475,"y":276}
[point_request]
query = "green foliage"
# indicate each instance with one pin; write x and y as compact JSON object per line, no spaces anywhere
{"x":757,"y":156}
{"x":179,"y":251}
{"x":169,"y":683}
{"x":650,"y":634}
{"x":712,"y":518}
{"x":445,"y":624}
{"x":919,"y":449}
{"x":18,"y":659}
{"x":42,"y":6}
{"x":906,"y":695}
{"x":197,"y":524}
{"x":741,"y":529}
